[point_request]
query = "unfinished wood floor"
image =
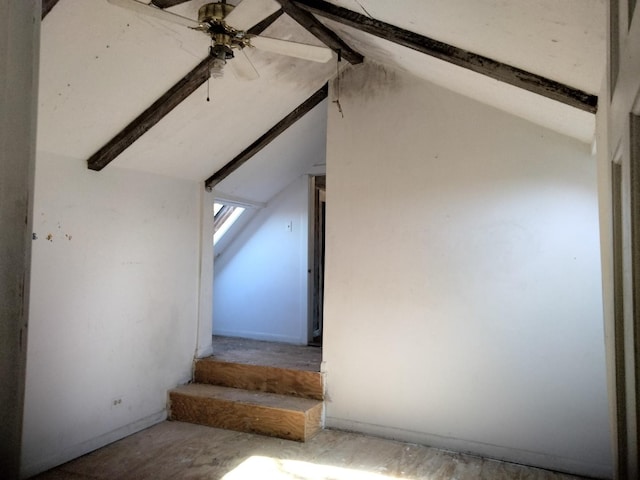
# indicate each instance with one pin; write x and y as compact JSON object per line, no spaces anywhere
{"x":175,"y":450}
{"x":255,"y":352}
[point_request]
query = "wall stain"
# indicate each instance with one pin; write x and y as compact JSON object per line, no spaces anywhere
{"x":367,"y":80}
{"x":50,"y":237}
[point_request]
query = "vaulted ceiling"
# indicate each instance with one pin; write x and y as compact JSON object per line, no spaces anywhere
{"x":101,"y":66}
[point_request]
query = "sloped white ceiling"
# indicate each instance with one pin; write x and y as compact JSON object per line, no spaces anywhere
{"x":522,"y":103}
{"x":102,"y":65}
{"x":563,"y":40}
{"x":560,"y":40}
{"x":299,"y":150}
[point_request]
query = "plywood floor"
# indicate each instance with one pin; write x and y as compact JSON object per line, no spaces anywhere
{"x":175,"y":450}
{"x":254,"y":352}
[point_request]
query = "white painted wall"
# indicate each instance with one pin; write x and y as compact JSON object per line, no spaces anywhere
{"x":205,"y":299}
{"x":260,"y":286}
{"x":19,"y":54}
{"x":114,"y":305}
{"x":462,"y":297}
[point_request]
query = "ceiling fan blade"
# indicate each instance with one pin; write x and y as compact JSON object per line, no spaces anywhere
{"x":167,"y":3}
{"x":292,"y":49}
{"x":250,"y":12}
{"x":242,"y":67}
{"x":155,"y":12}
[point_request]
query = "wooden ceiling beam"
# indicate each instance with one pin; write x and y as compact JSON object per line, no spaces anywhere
{"x":47,"y":5}
{"x":258,"y":28}
{"x":321,"y":32}
{"x":152,"y":115}
{"x":457,"y":56}
{"x":161,"y":107}
{"x":267,"y":138}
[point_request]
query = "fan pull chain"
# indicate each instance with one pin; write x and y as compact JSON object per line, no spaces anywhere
{"x":337,"y":100}
{"x":209,"y":77}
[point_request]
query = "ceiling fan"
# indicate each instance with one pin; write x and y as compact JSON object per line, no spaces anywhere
{"x":227,"y":27}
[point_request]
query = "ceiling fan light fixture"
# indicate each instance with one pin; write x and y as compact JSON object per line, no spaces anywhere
{"x":221,"y":51}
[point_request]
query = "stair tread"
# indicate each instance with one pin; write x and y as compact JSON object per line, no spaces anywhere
{"x":252,"y":397}
{"x":273,"y":354}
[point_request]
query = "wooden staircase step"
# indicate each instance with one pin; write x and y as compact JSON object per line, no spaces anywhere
{"x":285,"y":381}
{"x":264,"y":413}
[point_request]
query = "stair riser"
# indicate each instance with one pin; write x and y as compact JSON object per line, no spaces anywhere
{"x":291,"y":425}
{"x":260,"y":378}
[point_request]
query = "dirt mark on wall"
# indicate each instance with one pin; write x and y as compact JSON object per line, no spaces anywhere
{"x":366,"y":81}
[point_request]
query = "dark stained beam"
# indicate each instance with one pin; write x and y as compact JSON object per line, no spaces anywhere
{"x":463,"y":58}
{"x":258,"y":28}
{"x":152,"y":115}
{"x":267,"y":138}
{"x":47,"y":5}
{"x":161,"y":107}
{"x":321,"y":31}
{"x":167,"y":3}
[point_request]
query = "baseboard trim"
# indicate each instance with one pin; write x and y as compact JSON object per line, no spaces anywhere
{"x":512,"y":455}
{"x":83,"y":448}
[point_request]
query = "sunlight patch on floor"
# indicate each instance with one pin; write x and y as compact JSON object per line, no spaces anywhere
{"x":267,"y":468}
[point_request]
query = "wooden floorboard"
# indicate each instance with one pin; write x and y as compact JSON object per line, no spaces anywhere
{"x":173,"y":450}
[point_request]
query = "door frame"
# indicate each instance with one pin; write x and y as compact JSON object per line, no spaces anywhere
{"x":317,"y":207}
{"x":619,"y":127}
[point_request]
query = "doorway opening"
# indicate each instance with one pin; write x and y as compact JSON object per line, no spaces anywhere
{"x":269,"y":266}
{"x":317,"y":250}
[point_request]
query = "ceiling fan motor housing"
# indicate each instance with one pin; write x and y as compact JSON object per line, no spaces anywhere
{"x":214,"y":12}
{"x":211,"y":18}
